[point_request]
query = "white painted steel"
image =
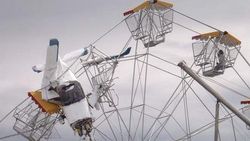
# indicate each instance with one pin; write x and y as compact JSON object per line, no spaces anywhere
{"x":77,"y":111}
{"x":189,"y":71}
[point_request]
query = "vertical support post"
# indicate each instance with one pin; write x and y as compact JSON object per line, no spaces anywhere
{"x":189,"y":71}
{"x":217,"y":115}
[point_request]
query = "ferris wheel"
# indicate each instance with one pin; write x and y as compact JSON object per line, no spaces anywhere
{"x":138,"y":92}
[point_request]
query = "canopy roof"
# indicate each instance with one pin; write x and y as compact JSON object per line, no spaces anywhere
{"x":145,"y":5}
{"x":226,"y":38}
{"x":46,"y":106}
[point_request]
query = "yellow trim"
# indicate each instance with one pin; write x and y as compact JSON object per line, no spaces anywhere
{"x":226,"y":39}
{"x":206,"y":36}
{"x":46,"y":106}
{"x":234,"y":39}
{"x":147,"y":4}
{"x":144,"y":5}
{"x":165,"y":4}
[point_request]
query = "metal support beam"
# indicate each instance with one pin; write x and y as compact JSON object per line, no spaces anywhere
{"x":189,"y":71}
{"x":242,"y":56}
{"x":217,"y":115}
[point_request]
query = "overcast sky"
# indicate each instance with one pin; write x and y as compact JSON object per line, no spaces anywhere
{"x":27,"y":25}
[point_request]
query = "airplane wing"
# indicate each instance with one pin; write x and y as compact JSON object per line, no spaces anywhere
{"x":66,"y":58}
{"x":126,"y":52}
{"x":52,"y":54}
{"x":75,"y":54}
{"x":50,"y":68}
{"x":98,"y":60}
{"x":56,"y":71}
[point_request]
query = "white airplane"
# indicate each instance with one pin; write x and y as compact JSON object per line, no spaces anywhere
{"x":60,"y":86}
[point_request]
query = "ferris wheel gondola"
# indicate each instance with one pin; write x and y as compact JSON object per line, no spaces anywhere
{"x":215,"y":51}
{"x":150,"y":22}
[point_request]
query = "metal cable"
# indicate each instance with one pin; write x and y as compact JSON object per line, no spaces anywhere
{"x":209,"y":125}
{"x":186,"y":28}
{"x":132,"y":89}
{"x":178,"y":24}
{"x":163,"y":70}
{"x":163,"y":59}
{"x":241,"y":78}
{"x":186,"y":111}
{"x":109,"y":31}
{"x":109,"y":123}
{"x":243,"y":56}
{"x":223,"y":86}
{"x":13,"y":110}
{"x":139,"y":83}
{"x":167,"y":104}
{"x":235,"y":139}
{"x":196,"y":20}
{"x":145,"y":91}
